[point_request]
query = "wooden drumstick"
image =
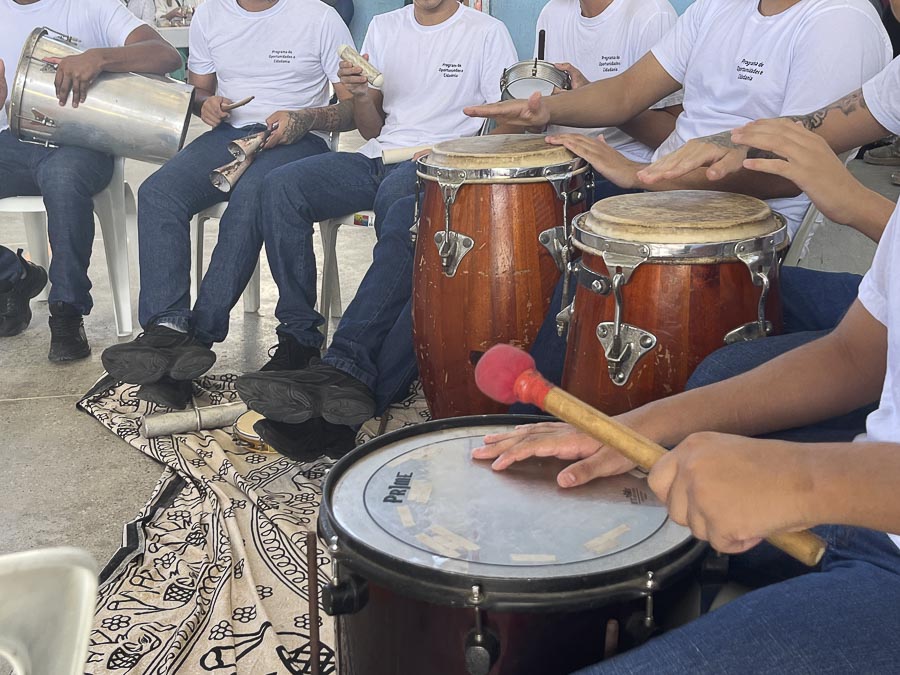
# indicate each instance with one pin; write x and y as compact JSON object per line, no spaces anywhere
{"x":348,"y":53}
{"x":228,"y":107}
{"x":507,"y":374}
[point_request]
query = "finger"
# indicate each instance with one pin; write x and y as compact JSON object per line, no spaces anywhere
{"x":777,"y":167}
{"x":661,"y":476}
{"x":534,"y":102}
{"x":76,"y":92}
{"x":606,"y":462}
{"x":725,"y":166}
{"x":64,"y":89}
{"x":731,"y":546}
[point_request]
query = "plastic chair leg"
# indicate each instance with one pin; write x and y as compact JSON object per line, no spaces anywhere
{"x":38,"y":244}
{"x":251,"y":293}
{"x":197,"y":247}
{"x":109,"y":206}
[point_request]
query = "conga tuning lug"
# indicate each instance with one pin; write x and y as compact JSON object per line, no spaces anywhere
{"x":747,"y":332}
{"x":633,"y":344}
{"x":452,"y":247}
{"x":554,"y":240}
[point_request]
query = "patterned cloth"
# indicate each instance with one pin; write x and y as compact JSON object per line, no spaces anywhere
{"x":212,"y":576}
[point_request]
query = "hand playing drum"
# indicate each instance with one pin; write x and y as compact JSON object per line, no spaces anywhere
{"x":75,"y":74}
{"x":576,"y":77}
{"x":528,"y":115}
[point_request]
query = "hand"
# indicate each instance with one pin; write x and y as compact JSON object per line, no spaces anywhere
{"x":576,"y":76}
{"x":612,"y":164}
{"x":718,"y":152}
{"x":287,"y":126}
{"x":733,"y":491}
{"x":212,"y":112}
{"x":75,"y":74}
{"x":805,"y":159}
{"x":3,"y":91}
{"x":421,"y":153}
{"x":554,"y":439}
{"x":353,"y":79}
{"x":530,"y":115}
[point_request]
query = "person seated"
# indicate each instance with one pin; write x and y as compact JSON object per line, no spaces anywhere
{"x":594,"y":40}
{"x":733,"y":490}
{"x":448,"y":56}
{"x":284,"y":54}
{"x":113,"y":41}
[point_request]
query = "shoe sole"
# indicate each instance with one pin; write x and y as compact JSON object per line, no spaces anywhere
{"x":159,"y":398}
{"x":33,"y":291}
{"x":293,"y":403}
{"x":146,"y":365}
{"x":878,"y":161}
{"x":69,"y":357}
{"x":192,"y":365}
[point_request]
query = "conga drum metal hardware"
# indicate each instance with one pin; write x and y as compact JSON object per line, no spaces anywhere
{"x":498,"y":573}
{"x":664,"y":280}
{"x":143,"y":117}
{"x":491,"y":241}
{"x":522,"y":79}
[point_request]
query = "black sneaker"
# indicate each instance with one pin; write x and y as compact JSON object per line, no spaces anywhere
{"x":169,"y":393}
{"x":15,"y":309}
{"x":289,"y":354}
{"x":297,"y":395}
{"x":308,"y":440}
{"x":158,"y":352}
{"x":67,"y":339}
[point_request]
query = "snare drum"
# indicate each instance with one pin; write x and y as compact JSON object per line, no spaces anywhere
{"x":665,"y":279}
{"x":444,"y":566}
{"x":490,"y":246}
{"x":143,"y":117}
{"x":524,"y":78}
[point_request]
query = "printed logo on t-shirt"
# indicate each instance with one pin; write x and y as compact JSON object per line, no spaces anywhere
{"x":747,"y":69}
{"x":610,"y":64}
{"x":282,"y":56}
{"x":451,"y":69}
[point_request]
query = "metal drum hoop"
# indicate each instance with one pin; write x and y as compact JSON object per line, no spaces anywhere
{"x":551,"y":172}
{"x":564,"y":593}
{"x":535,"y":69}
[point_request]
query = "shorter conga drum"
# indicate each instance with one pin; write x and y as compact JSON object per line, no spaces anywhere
{"x":664,"y":280}
{"x":446,"y":567}
{"x":492,"y":240}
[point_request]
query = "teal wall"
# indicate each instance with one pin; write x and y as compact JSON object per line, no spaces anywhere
{"x":520,"y":16}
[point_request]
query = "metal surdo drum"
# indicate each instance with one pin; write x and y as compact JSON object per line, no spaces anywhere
{"x":665,"y":279}
{"x":492,"y":233}
{"x":444,"y":566}
{"x":524,"y":78}
{"x":143,"y":117}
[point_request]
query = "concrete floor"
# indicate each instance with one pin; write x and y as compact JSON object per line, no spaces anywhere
{"x":66,"y":480}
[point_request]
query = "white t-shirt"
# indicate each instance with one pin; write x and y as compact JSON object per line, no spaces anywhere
{"x":605,"y":46}
{"x":879,"y":293}
{"x":882,"y":94}
{"x":737,"y":65}
{"x":432,"y":72}
{"x":284,"y":55}
{"x":96,"y":23}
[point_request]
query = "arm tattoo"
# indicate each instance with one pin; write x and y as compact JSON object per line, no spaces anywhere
{"x":337,"y":117}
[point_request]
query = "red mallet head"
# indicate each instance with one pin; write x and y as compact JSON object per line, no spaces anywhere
{"x":506,"y":374}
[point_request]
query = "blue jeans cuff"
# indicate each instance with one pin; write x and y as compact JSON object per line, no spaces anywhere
{"x":349,"y":367}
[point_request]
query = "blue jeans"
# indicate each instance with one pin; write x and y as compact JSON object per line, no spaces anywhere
{"x":374,"y":341}
{"x":839,"y":618}
{"x":67,"y":178}
{"x":314,"y":189}
{"x":169,"y":199}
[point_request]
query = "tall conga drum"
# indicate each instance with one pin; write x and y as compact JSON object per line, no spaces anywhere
{"x":664,"y":280}
{"x":492,"y":232}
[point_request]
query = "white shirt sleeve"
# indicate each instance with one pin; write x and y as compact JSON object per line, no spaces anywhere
{"x":333,"y":34}
{"x":499,"y":53}
{"x":116,"y":21}
{"x":838,"y":50}
{"x":200,"y":60}
{"x":673,"y":51}
{"x":873,"y":291}
{"x":882,"y":95}
{"x":656,"y":28}
{"x":370,"y":47}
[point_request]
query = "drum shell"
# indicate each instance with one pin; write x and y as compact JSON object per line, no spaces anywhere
{"x":532,"y":69}
{"x":688,"y":307}
{"x":143,"y":117}
{"x":500,"y":293}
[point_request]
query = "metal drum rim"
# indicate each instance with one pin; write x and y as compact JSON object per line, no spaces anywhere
{"x":439,"y":587}
{"x":548,"y":172}
{"x":15,"y":102}
{"x":532,"y":63}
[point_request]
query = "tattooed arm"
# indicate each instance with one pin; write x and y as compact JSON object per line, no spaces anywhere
{"x":289,"y":126}
{"x":844,"y":124}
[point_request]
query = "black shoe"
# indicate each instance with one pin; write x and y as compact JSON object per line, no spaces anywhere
{"x":67,"y":339}
{"x":15,"y":309}
{"x":158,"y":352}
{"x":307,"y":441}
{"x":289,"y":354}
{"x":169,"y":393}
{"x":297,"y":395}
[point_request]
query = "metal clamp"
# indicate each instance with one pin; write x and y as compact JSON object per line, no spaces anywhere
{"x":554,"y":240}
{"x":39,"y":118}
{"x":623,"y":344}
{"x":760,"y":256}
{"x":452,"y":246}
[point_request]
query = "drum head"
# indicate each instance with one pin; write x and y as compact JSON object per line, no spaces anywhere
{"x":498,"y":151}
{"x":680,"y":217}
{"x":418,"y":502}
{"x":243,"y":429}
{"x":524,"y":88}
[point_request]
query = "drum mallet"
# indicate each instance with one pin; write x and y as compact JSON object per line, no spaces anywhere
{"x":228,"y":107}
{"x":507,"y":374}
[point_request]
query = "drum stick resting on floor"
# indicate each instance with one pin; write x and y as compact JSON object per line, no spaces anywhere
{"x":507,"y":374}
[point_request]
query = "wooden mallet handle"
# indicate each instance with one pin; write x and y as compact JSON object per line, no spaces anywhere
{"x":531,"y":387}
{"x":228,"y":107}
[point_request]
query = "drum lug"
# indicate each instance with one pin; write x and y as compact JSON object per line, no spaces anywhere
{"x":761,"y":257}
{"x":554,"y":240}
{"x":622,"y":355}
{"x":452,"y":247}
{"x":747,"y":332}
{"x":40,"y":118}
{"x":482,"y":646}
{"x":346,"y":595}
{"x":595,"y":283}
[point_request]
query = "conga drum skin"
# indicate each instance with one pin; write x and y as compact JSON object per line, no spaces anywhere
{"x":664,"y":280}
{"x":522,"y":79}
{"x":446,"y":567}
{"x":492,"y":240}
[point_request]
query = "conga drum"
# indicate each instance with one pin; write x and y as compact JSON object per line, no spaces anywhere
{"x":491,"y":243}
{"x":446,"y":567}
{"x":664,"y":280}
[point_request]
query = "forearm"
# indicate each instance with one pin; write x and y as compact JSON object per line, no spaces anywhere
{"x":148,"y":56}
{"x":604,"y":103}
{"x":752,"y":183}
{"x":650,"y":127}
{"x":337,"y":117}
{"x":200,"y":96}
{"x":366,"y":116}
{"x":871,"y":212}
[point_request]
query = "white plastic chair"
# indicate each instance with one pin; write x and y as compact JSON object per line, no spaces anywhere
{"x":47,"y":602}
{"x":251,"y":293}
{"x":117,"y":225}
